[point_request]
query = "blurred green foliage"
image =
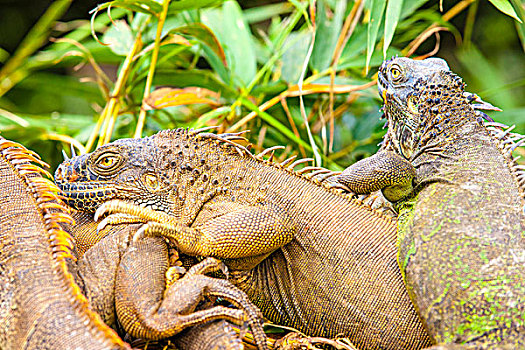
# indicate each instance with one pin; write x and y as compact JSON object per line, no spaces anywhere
{"x":297,"y":73}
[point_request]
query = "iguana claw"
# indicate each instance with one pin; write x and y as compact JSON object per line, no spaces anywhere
{"x":140,"y":234}
{"x":118,"y":219}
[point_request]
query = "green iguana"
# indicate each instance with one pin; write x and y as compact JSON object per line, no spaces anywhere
{"x":307,"y":255}
{"x":41,"y":307}
{"x":460,"y":199}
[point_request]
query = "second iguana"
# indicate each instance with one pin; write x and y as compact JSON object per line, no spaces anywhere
{"x":307,"y":255}
{"x":459,"y":193}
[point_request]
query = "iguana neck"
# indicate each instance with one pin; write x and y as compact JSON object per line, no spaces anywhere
{"x":460,"y":235}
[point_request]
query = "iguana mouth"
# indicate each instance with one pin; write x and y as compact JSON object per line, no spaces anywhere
{"x":80,"y":196}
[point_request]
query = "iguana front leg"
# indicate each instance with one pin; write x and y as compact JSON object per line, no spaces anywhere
{"x":250,"y":231}
{"x":146,"y":311}
{"x":128,"y":279}
{"x":386,"y":171}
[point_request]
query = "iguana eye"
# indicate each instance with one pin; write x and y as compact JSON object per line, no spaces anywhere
{"x":106,"y":163}
{"x":395,"y":73}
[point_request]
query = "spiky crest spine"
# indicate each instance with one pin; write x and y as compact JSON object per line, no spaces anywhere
{"x":53,"y":213}
{"x":304,"y":173}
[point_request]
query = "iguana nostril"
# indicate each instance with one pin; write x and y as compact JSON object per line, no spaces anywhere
{"x":58,"y":174}
{"x":72,"y":176}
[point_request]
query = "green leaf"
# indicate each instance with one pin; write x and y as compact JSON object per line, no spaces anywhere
{"x":204,"y":34}
{"x":356,"y":46}
{"x":235,"y":37}
{"x":393,"y":11}
{"x":271,"y":88}
{"x":327,"y":33}
{"x":32,"y":41}
{"x":179,"y":5}
{"x":240,"y":42}
{"x":358,"y":61}
{"x":119,"y":38}
{"x":183,"y":78}
{"x":265,"y":12}
{"x":142,"y":6}
{"x":377,"y":10}
{"x":520,"y":26}
{"x":505,"y":7}
{"x":297,"y":44}
{"x":409,"y":6}
{"x":216,"y":113}
{"x":217,"y":65}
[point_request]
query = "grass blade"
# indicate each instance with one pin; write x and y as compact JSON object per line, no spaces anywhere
{"x":505,"y":7}
{"x":377,"y":10}
{"x":33,"y":40}
{"x":520,"y":26}
{"x":327,"y":32}
{"x":393,"y":12}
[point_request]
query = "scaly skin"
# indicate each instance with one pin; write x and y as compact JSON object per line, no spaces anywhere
{"x":461,"y":228}
{"x":41,"y":307}
{"x":307,"y":255}
{"x":126,"y":281}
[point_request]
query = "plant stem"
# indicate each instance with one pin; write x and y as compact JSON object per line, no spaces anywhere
{"x":149,"y":79}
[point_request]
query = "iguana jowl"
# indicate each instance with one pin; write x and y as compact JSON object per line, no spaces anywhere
{"x":460,"y":199}
{"x":307,"y":255}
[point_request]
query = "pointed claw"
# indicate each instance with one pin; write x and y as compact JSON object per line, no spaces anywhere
{"x":140,"y":234}
{"x":178,"y":269}
{"x":102,"y":225}
{"x":73,"y":154}
{"x":64,"y":154}
{"x":224,"y":269}
{"x":100,"y":211}
{"x":244,"y":329}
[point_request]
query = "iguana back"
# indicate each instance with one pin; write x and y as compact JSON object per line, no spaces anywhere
{"x":308,"y":256}
{"x":40,"y":305}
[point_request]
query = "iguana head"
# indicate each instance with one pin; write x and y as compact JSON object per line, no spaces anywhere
{"x":414,"y":93}
{"x":163,"y":172}
{"x":126,"y":169}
